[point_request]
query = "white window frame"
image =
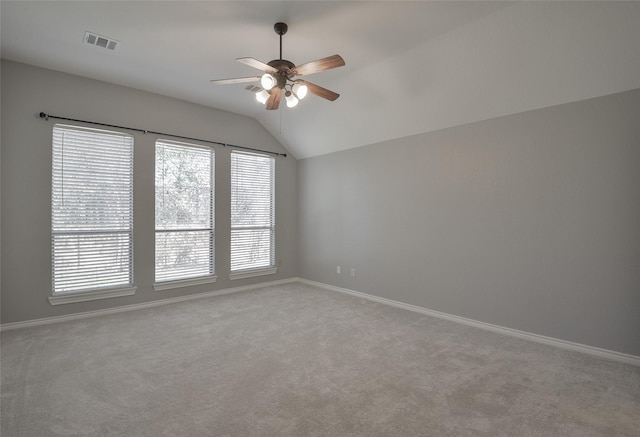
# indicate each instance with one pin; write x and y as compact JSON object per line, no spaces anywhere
{"x":195,"y":279}
{"x":77,"y":215}
{"x":241,"y":181}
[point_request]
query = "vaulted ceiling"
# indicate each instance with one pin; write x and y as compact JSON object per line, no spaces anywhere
{"x":411,"y":67}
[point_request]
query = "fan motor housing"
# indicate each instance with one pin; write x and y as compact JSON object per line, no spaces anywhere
{"x":285,"y":71}
{"x":281,"y":64}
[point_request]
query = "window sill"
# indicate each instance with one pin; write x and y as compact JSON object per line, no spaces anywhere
{"x":250,"y":273}
{"x":168,"y":285}
{"x":86,"y":296}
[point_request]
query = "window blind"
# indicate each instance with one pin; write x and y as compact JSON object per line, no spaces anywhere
{"x":184,"y":211}
{"x":252,"y":211}
{"x":91,"y":209}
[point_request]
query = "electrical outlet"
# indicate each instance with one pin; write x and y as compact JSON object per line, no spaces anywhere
{"x":338,"y":270}
{"x":353,"y":271}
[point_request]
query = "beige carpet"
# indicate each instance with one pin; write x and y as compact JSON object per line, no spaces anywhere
{"x":295,"y":360}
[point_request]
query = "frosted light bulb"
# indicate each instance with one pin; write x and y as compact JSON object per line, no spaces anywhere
{"x":267,"y":81}
{"x":262,"y":96}
{"x":299,"y":90}
{"x":292,"y":101}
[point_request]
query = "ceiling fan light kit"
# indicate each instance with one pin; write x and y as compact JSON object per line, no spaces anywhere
{"x":278,"y":77}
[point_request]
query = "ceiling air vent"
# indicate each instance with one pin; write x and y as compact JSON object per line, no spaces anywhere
{"x":100,"y":41}
{"x":254,"y":88}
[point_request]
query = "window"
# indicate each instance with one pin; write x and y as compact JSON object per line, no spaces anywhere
{"x":91,"y":212}
{"x":184,"y":212}
{"x":252,"y":214}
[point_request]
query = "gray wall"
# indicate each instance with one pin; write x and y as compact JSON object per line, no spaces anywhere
{"x":26,"y":182}
{"x":530,"y":221}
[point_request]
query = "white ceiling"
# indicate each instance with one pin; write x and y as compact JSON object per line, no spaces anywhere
{"x":411,"y":67}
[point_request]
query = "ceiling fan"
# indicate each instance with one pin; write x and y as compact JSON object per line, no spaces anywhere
{"x":279,"y":74}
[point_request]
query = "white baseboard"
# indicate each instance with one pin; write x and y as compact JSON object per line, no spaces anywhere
{"x":138,"y":306}
{"x":590,"y":350}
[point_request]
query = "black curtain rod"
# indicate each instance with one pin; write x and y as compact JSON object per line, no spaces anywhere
{"x":48,"y":116}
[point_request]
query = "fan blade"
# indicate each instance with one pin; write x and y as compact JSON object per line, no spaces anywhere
{"x":319,"y":65}
{"x":274,"y":99}
{"x":319,"y":91}
{"x":236,"y":80}
{"x":257,"y":64}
